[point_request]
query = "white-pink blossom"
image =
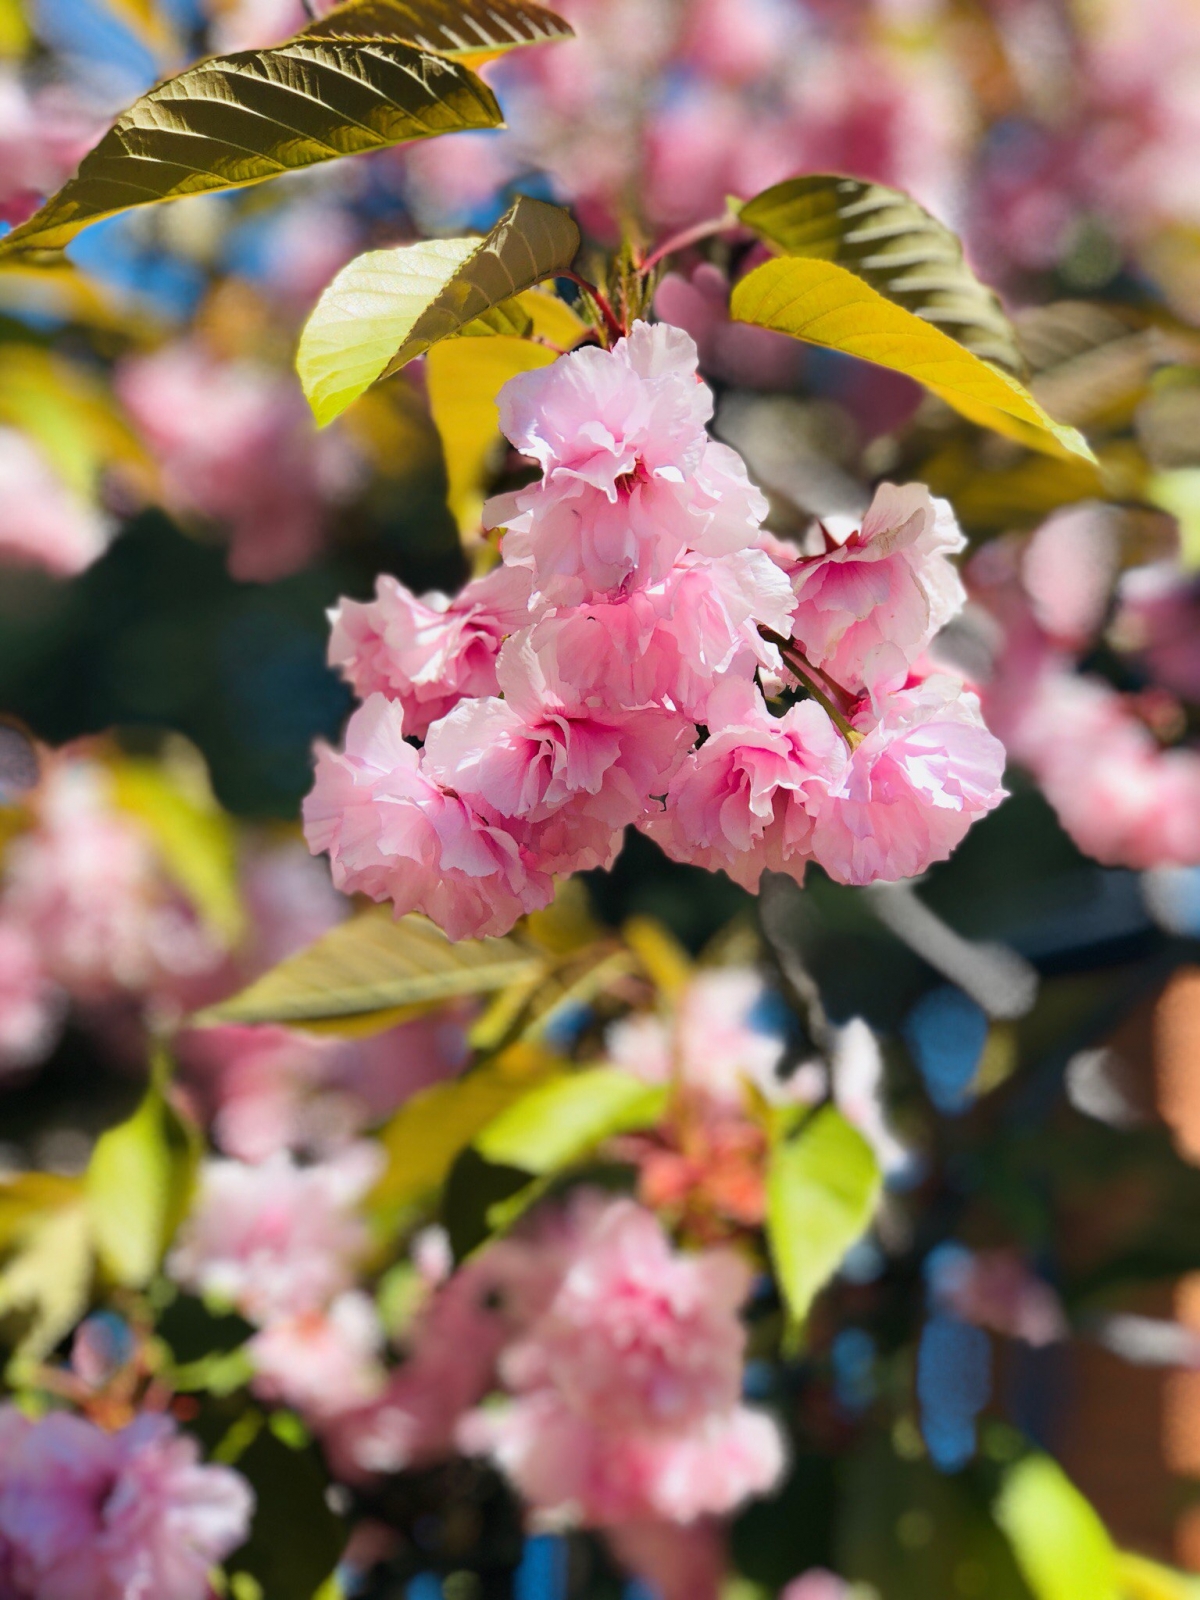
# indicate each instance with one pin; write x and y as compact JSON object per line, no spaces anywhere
{"x":925,"y":769}
{"x":746,"y":800}
{"x":31,"y":1004}
{"x":428,"y":652}
{"x":626,"y":1388}
{"x":879,"y":591}
{"x":277,"y":1239}
{"x":323,"y":1362}
{"x":131,"y":1515}
{"x":630,"y":479}
{"x":393,"y":833}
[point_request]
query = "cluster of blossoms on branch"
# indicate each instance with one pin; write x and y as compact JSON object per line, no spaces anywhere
{"x":647,"y":654}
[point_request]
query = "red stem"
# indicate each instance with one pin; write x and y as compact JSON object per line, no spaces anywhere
{"x":616,"y":331}
{"x":692,"y":235}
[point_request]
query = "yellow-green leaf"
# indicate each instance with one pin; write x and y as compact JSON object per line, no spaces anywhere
{"x":46,"y":1280}
{"x":430,"y":1130}
{"x":1142,"y":1579}
{"x":561,"y":1120}
{"x":463,"y":378}
{"x":373,"y":963}
{"x":822,"y":1189}
{"x":194,"y":836}
{"x":388,"y":306}
{"x":138,"y":1184}
{"x":471,"y":31}
{"x":68,"y":414}
{"x":239,"y":119}
{"x":825,"y":304}
{"x":1061,"y":1546}
{"x":1177,"y":491}
{"x":892,"y":243}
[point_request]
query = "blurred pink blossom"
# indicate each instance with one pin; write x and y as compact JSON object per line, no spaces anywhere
{"x":31,"y":1005}
{"x":43,"y":522}
{"x":237,"y":446}
{"x":277,"y":1239}
{"x":44,"y":134}
{"x":131,"y":1515}
{"x":321,"y":1363}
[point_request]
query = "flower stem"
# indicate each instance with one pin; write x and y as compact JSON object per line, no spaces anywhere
{"x":615,"y":330}
{"x":807,"y":674}
{"x":692,"y":235}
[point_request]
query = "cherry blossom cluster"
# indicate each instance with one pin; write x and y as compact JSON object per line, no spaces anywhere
{"x":1113,"y":762}
{"x":646,"y":654}
{"x":121,"y":1515}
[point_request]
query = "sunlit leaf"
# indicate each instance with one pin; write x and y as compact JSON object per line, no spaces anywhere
{"x":463,"y":378}
{"x":239,"y":119}
{"x":1060,"y":1544}
{"x":666,"y":962}
{"x":47,"y":1277}
{"x":27,"y":1197}
{"x":1142,"y":1579}
{"x":1178,"y":492}
{"x":195,"y":838}
{"x":430,"y":1130}
{"x":138,"y":1184}
{"x":825,"y":304}
{"x":559,"y":1121}
{"x":388,"y":306}
{"x":14,"y":29}
{"x":822,"y":1188}
{"x":373,"y":963}
{"x":58,"y":290}
{"x":470,"y":31}
{"x":892,"y":243}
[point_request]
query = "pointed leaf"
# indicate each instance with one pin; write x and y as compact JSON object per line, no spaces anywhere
{"x":1142,"y":1579}
{"x":1061,"y":1546}
{"x":388,"y":306}
{"x":828,"y":305}
{"x":463,"y":378}
{"x":563,"y":1119}
{"x":889,"y":241}
{"x":138,"y":1184}
{"x":822,"y":1188}
{"x":471,"y":31}
{"x":429,"y":1131}
{"x":47,"y":1278}
{"x":371,"y":964}
{"x":239,"y":119}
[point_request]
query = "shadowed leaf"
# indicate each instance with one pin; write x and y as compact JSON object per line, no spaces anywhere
{"x":828,"y":305}
{"x":239,"y":119}
{"x":388,"y":306}
{"x":889,"y":241}
{"x":470,"y":31}
{"x":372,"y":964}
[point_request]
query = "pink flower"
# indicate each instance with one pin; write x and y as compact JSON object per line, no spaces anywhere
{"x":43,"y":137}
{"x":569,"y":772}
{"x":627,"y":1385}
{"x":736,"y":352}
{"x":630,"y":477}
{"x":89,"y":888}
{"x":678,"y":1563}
{"x":321,"y":1363}
{"x":996,"y":1289}
{"x":393,"y":833}
{"x":428,"y":653}
{"x":886,"y":583}
{"x":1067,"y":571}
{"x":131,"y":1515}
{"x":43,"y":522}
{"x":1158,"y":621}
{"x":746,"y":800}
{"x":30,"y":1003}
{"x":925,"y":770}
{"x":817,"y":1584}
{"x":277,"y":1239}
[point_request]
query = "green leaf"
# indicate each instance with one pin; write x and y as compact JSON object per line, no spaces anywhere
{"x":388,"y":306}
{"x":825,"y":304}
{"x":69,"y":415}
{"x":1177,"y":492}
{"x":47,"y":1278}
{"x":372,"y":965}
{"x":470,"y":31}
{"x":885,"y":238}
{"x":563,"y":1119}
{"x":463,"y":378}
{"x":296,"y":1539}
{"x":429,"y":1131}
{"x":1060,"y":1544}
{"x":138,"y":1184}
{"x":822,"y":1188}
{"x":1142,"y":1579}
{"x":239,"y":119}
